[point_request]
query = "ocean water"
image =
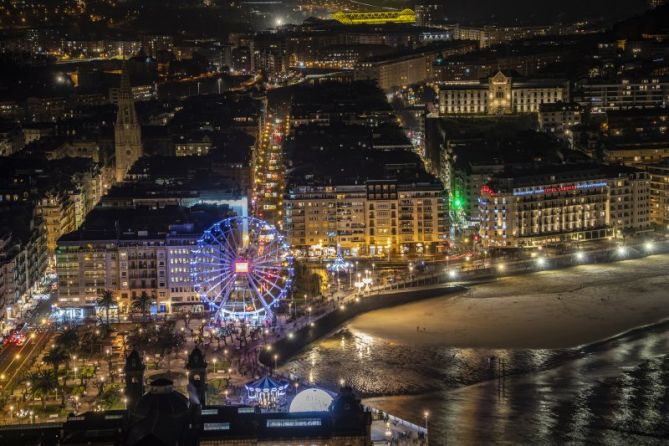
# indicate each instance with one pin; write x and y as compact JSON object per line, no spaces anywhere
{"x":552,"y":358}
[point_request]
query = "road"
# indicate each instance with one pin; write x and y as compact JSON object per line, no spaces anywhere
{"x":15,"y":360}
{"x":269,"y":172}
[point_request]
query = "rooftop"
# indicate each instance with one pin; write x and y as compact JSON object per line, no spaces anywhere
{"x":146,"y":223}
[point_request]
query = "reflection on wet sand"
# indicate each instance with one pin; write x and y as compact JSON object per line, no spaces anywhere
{"x":612,"y":392}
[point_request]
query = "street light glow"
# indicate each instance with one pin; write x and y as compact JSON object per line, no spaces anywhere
{"x":580,"y":256}
{"x":541,"y":261}
{"x":621,"y":250}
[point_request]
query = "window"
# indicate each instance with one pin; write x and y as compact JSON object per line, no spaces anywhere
{"x":216,"y":426}
{"x":294,"y":422}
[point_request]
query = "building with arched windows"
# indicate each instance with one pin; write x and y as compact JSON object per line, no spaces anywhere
{"x":500,"y":94}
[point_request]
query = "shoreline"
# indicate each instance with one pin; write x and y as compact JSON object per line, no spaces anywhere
{"x":288,"y":347}
{"x":533,"y":322}
{"x":570,"y":354}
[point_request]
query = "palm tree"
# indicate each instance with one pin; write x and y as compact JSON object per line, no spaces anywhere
{"x":41,"y":383}
{"x":142,"y":304}
{"x":56,"y":356}
{"x":69,"y":339}
{"x":106,"y":300}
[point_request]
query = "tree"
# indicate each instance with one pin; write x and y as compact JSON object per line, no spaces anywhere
{"x":106,"y":300}
{"x":69,"y":340}
{"x":142,"y":304}
{"x":56,"y":356}
{"x":168,"y":340}
{"x":42,"y":382}
{"x":306,"y":281}
{"x":139,"y":338}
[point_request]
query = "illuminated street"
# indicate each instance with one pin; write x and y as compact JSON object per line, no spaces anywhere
{"x":268,"y":172}
{"x":334,"y":222}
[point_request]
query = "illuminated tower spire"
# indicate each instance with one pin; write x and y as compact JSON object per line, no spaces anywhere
{"x":127,"y":133}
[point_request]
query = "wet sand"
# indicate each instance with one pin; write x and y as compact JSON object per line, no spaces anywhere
{"x":551,"y":309}
{"x":573,"y":376}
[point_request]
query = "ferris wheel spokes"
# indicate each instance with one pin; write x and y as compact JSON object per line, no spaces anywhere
{"x":242,"y":267}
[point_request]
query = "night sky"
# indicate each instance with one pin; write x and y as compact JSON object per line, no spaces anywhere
{"x":545,"y":11}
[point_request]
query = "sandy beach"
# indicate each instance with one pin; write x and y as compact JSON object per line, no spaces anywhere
{"x":546,"y":310}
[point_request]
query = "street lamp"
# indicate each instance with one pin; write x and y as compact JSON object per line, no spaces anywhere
{"x":275,"y":359}
{"x":426,"y":415}
{"x":215,"y":360}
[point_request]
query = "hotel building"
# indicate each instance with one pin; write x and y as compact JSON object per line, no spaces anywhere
{"x":562,"y":204}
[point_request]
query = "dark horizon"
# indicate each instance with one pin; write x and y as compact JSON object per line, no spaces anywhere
{"x":533,"y":11}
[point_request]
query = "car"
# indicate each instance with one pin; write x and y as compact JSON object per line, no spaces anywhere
{"x":17,"y":336}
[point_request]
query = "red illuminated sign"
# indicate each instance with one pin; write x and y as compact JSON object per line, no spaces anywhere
{"x":488,"y":190}
{"x":550,"y":190}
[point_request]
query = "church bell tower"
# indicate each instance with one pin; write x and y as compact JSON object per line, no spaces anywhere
{"x":134,"y":378}
{"x":127,"y":132}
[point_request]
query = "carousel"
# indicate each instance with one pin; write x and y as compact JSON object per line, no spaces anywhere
{"x":266,"y":392}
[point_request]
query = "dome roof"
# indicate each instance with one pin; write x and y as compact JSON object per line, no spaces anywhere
{"x":311,"y":400}
{"x":162,"y":401}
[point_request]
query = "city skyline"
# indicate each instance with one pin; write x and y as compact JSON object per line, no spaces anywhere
{"x":333,"y":222}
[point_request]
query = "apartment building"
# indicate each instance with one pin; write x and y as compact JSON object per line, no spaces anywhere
{"x":376,"y":218}
{"x":623,"y":93}
{"x":408,"y":67}
{"x":559,"y":118}
{"x":131,"y":251}
{"x":23,"y":259}
{"x":659,"y":194}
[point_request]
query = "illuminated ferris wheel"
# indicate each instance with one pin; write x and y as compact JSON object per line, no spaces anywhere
{"x":242,"y":268}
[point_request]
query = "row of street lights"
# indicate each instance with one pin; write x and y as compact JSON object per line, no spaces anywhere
{"x":580,"y":256}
